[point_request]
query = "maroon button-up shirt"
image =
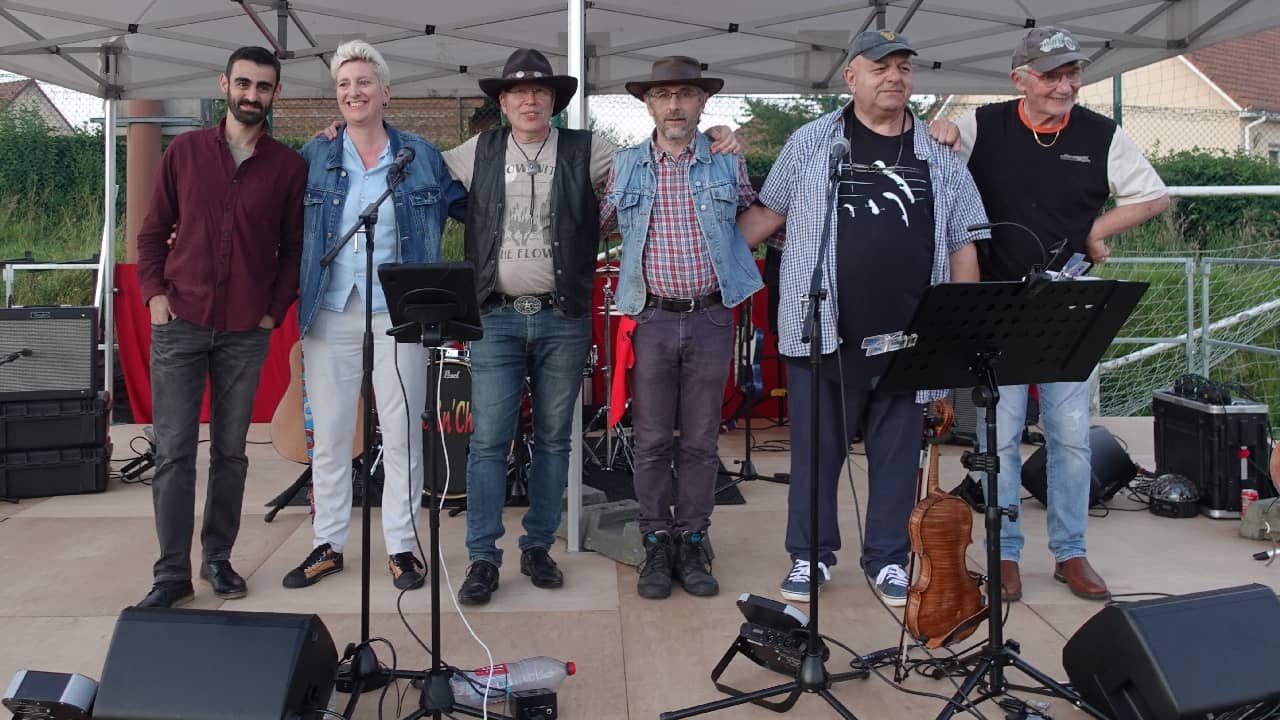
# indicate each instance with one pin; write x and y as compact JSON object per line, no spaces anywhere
{"x":239,"y":247}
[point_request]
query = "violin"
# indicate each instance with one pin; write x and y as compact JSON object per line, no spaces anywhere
{"x":944,"y":604}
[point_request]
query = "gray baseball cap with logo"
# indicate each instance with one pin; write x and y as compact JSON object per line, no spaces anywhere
{"x":1046,"y":48}
{"x":875,"y":44}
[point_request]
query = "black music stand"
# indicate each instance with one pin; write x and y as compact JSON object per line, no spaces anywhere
{"x":429,"y":303}
{"x":1011,"y":333}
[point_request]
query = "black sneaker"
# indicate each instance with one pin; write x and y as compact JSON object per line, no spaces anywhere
{"x":536,"y":562}
{"x":481,"y":582}
{"x":321,"y":562}
{"x":407,"y":571}
{"x":173,"y":593}
{"x":655,"y":571}
{"x":693,"y":564}
{"x":227,"y":583}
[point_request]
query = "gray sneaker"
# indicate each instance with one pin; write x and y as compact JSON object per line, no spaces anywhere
{"x":795,"y":586}
{"x":891,"y":585}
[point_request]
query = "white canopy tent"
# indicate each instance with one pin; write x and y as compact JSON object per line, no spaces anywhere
{"x":159,"y":49}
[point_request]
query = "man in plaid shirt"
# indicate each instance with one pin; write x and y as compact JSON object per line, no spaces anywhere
{"x":684,"y":265}
{"x":899,"y":220}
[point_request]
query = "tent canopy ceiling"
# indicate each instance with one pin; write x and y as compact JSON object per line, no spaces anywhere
{"x":175,"y":48}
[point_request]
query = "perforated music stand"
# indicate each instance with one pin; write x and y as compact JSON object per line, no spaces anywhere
{"x":430,"y":303}
{"x":1010,"y":333}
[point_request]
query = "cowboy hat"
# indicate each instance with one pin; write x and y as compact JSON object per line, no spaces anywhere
{"x":675,"y":70}
{"x":530,"y":66}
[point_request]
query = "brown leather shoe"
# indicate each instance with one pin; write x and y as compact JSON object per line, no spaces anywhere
{"x":1079,"y":575}
{"x":1010,"y":581}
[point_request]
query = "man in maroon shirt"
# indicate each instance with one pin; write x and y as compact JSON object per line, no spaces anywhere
{"x":235,"y":195}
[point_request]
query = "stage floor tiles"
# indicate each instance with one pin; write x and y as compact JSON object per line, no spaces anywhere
{"x":69,"y":564}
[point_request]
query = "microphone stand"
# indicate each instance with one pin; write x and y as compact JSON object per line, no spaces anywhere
{"x":811,"y":674}
{"x":359,"y":671}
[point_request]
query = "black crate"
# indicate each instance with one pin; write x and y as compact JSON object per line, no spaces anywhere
{"x":41,"y":473}
{"x":1203,"y":441}
{"x":52,"y":424}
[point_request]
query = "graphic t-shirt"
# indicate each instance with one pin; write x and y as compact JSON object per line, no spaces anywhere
{"x":525,"y":265}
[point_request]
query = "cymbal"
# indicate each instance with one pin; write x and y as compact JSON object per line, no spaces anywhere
{"x":611,"y":270}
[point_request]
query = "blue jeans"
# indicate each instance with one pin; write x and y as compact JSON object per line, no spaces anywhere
{"x":1064,"y":412}
{"x":890,"y":424}
{"x":549,"y":349}
{"x":183,"y":357}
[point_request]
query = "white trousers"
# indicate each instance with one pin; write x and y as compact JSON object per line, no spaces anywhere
{"x":332,"y":352}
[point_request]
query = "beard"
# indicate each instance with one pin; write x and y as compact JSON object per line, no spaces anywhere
{"x":248,"y":115}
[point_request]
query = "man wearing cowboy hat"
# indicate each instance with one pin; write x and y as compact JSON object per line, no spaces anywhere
{"x":1048,"y":165}
{"x":684,"y":265}
{"x":898,"y":224}
{"x":532,"y":228}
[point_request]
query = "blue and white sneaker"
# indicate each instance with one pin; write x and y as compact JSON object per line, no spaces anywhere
{"x":891,"y":585}
{"x":795,"y":586}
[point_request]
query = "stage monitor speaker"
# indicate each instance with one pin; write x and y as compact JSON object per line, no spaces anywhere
{"x":53,"y":351}
{"x":1111,"y":469}
{"x":214,"y":665}
{"x":1179,"y":657}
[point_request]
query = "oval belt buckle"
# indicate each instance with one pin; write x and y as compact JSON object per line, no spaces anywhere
{"x":527,"y":304}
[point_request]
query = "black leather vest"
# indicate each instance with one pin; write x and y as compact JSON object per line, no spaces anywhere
{"x":575,"y":217}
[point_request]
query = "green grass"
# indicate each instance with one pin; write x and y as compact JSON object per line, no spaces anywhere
{"x":73,"y":235}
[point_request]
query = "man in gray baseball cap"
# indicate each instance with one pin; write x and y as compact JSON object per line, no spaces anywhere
{"x":1047,"y":48}
{"x":875,"y":44}
{"x":1044,"y":163}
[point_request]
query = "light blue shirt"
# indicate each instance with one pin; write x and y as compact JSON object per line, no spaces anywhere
{"x":347,"y":270}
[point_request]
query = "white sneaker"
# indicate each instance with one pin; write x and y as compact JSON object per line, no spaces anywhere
{"x":891,"y":585}
{"x":795,"y":586}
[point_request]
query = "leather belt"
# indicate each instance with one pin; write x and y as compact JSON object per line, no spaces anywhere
{"x":682,"y":305}
{"x":523,"y":304}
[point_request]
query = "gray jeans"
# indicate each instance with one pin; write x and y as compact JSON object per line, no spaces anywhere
{"x":183,"y":356}
{"x":682,"y":362}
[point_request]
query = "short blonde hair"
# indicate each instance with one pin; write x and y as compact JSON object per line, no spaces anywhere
{"x":360,"y":50}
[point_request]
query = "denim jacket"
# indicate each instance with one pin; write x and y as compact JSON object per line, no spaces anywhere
{"x":714,"y":181}
{"x":422,"y":201}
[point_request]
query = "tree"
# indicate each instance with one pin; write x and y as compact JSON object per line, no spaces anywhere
{"x":772,"y":121}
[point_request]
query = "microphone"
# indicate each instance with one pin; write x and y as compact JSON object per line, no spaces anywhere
{"x":26,"y":352}
{"x":839,"y":151}
{"x":403,"y":158}
{"x":11,"y":357}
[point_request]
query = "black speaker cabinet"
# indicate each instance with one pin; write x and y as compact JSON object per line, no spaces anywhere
{"x":1179,"y":657}
{"x":214,"y":665}
{"x":53,"y":350}
{"x":1110,"y":464}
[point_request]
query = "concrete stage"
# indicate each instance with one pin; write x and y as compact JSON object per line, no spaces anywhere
{"x":69,"y":564}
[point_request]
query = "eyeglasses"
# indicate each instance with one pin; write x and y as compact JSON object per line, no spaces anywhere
{"x":683,"y":94}
{"x":1072,"y":75}
{"x":537,"y":92}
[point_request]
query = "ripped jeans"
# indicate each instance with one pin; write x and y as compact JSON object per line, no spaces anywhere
{"x":1064,"y":412}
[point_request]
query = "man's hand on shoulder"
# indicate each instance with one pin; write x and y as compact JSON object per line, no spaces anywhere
{"x":330,"y":132}
{"x":724,"y":141}
{"x":267,"y":322}
{"x":945,"y":132}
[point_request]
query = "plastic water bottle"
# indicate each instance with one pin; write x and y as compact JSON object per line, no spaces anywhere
{"x":535,"y":673}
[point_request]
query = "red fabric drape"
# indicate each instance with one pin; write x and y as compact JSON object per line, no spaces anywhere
{"x":769,"y":365}
{"x":133,"y":334}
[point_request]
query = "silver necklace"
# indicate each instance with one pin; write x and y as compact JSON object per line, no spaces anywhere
{"x":531,"y":167}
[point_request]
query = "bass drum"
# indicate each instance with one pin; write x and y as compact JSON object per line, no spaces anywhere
{"x":453,"y":423}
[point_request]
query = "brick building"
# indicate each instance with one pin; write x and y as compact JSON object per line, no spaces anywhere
{"x":445,"y":121}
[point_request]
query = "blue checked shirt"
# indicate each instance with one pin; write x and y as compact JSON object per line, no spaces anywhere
{"x":797,"y":188}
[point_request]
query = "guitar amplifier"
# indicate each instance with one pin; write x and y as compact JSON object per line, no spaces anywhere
{"x":1203,"y":442}
{"x":50,"y":353}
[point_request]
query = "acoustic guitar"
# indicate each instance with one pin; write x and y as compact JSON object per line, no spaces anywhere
{"x":291,"y":427}
{"x":944,"y":604}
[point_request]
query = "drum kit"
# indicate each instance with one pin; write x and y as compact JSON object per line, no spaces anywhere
{"x":608,"y":447}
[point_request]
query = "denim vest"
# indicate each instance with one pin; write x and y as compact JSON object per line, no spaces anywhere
{"x":713,"y":180}
{"x":423,"y":200}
